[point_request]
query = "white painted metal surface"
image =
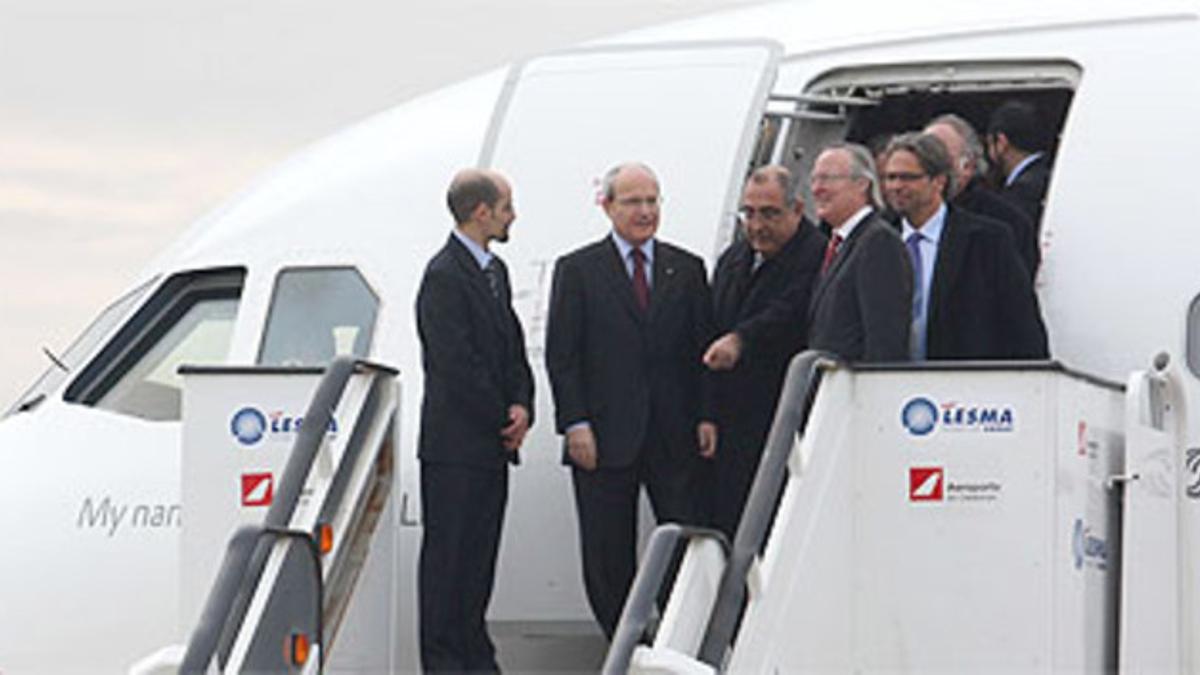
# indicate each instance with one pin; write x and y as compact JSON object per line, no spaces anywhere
{"x":944,"y":522}
{"x":1151,"y":636}
{"x":238,"y":431}
{"x":699,"y":577}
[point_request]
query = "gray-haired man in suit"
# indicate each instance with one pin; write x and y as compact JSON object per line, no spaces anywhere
{"x":861,"y":306}
{"x":630,"y":317}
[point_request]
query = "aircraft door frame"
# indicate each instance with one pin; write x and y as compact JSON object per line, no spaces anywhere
{"x":691,"y":111}
{"x":620,"y":84}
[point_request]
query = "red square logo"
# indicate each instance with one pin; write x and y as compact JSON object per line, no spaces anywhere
{"x":258,"y":489}
{"x":926,"y":484}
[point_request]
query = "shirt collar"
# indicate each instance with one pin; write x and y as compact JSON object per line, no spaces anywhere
{"x":1021,"y":167}
{"x":931,"y":230}
{"x":482,"y":256}
{"x":624,"y":247}
{"x":852,"y":222}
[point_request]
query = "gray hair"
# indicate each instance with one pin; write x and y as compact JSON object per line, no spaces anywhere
{"x":862,"y":165}
{"x":931,"y":154}
{"x":781,"y":176}
{"x":610,"y":177}
{"x":972,"y":144}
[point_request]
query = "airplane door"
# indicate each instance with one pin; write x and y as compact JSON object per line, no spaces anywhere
{"x":691,"y":111}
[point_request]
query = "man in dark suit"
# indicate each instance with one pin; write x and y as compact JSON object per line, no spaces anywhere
{"x":629,"y":319}
{"x":972,"y":297}
{"x":968,"y":191}
{"x":761,"y":291}
{"x":478,"y":405}
{"x":860,"y":305}
{"x":1017,"y":142}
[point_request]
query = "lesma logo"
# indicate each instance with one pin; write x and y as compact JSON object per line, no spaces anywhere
{"x":248,"y":426}
{"x":258,"y":489}
{"x":919,"y":416}
{"x":926,"y":484}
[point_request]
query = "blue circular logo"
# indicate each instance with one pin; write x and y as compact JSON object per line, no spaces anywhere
{"x":248,"y":426}
{"x":919,"y":416}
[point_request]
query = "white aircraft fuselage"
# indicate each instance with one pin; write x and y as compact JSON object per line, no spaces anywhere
{"x":90,"y":493}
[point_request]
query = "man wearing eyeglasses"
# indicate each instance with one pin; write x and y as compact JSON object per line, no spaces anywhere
{"x":860,"y":305}
{"x":630,"y":317}
{"x":761,"y":289}
{"x":972,"y":297}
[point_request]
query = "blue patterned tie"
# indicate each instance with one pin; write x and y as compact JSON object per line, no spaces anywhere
{"x":492,"y":272}
{"x":917,"y":341}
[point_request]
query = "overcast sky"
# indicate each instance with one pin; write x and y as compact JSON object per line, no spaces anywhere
{"x":123,"y":121}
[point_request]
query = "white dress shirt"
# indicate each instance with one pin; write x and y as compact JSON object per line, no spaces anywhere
{"x":625,"y":248}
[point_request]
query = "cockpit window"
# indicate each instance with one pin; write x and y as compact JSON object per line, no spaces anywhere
{"x":189,"y":320}
{"x":152,"y":387}
{"x":317,"y":314}
{"x":70,"y":360}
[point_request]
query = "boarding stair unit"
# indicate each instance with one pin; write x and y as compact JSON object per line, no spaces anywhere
{"x":296,"y":503}
{"x":960,"y":517}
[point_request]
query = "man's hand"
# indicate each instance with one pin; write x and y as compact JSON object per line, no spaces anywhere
{"x":724,"y":352}
{"x":706,"y":437}
{"x":518,"y":425}
{"x":581,"y":446}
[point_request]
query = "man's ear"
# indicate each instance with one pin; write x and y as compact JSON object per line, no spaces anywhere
{"x":942,"y":182}
{"x":798,"y":206}
{"x":480,"y":211}
{"x":1000,"y":140}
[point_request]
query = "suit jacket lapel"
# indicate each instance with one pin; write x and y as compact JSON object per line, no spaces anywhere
{"x":843,"y":253}
{"x":951,"y":254}
{"x":617,"y":276}
{"x":479,"y":282}
{"x":767,"y":278}
{"x":739,"y":291}
{"x":663,"y":280}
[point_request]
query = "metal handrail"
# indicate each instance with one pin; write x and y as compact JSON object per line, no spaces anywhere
{"x":232,"y":583}
{"x":791,"y":415}
{"x":214,"y":617}
{"x":225,"y":610}
{"x":639,"y":605}
{"x":354,"y":447}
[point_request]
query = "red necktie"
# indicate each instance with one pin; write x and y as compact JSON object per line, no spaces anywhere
{"x":831,"y":251}
{"x":641,"y":289}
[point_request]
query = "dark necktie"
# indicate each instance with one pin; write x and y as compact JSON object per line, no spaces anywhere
{"x":918,"y":298}
{"x":830,"y":252}
{"x":492,"y":271}
{"x":641,"y":289}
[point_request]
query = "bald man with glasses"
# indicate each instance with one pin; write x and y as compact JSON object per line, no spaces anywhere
{"x":761,"y":289}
